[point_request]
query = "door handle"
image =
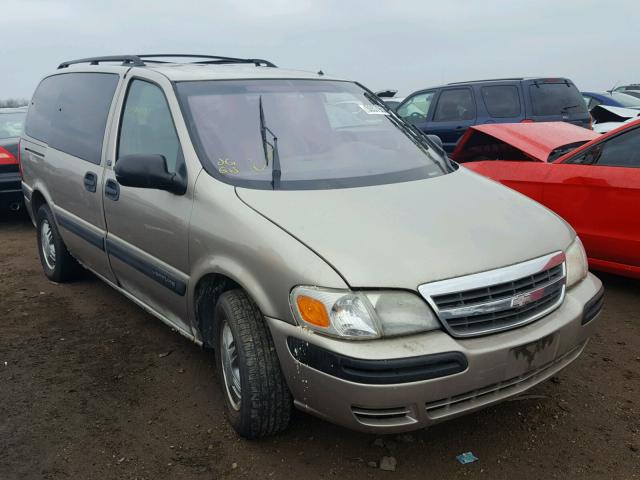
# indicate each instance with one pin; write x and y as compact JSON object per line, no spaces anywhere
{"x":112,"y":190}
{"x":90,"y":181}
{"x":37,"y":154}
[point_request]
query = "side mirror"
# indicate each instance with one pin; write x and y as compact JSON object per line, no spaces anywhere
{"x":148,"y":171}
{"x":437,"y":140}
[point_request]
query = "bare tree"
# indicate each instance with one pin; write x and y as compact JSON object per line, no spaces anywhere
{"x":13,"y":102}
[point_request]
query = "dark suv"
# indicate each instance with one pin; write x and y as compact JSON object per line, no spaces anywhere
{"x":447,"y":111}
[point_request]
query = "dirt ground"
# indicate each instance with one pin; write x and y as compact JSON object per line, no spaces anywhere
{"x":92,"y":387}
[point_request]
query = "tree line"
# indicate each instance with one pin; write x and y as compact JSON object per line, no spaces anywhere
{"x":13,"y":102}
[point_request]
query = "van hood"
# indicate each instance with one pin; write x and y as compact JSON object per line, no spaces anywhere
{"x":405,"y":234}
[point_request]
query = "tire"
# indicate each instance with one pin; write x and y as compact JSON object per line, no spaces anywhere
{"x":57,"y":262}
{"x":262,"y":406}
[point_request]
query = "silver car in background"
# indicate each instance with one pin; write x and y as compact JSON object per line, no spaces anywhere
{"x":328,"y":253}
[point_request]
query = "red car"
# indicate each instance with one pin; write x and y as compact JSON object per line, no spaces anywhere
{"x":591,"y":180}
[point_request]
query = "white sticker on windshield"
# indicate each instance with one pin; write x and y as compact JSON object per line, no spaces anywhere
{"x":374,"y":109}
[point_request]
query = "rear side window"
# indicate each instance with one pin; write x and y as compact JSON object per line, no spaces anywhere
{"x":455,"y":104}
{"x":69,"y":112}
{"x":556,"y":99}
{"x":502,"y":101}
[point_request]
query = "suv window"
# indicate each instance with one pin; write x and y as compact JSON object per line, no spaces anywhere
{"x":502,"y":101}
{"x":556,"y":99}
{"x":416,"y":109}
{"x":621,"y":151}
{"x":69,"y":112}
{"x":147,"y":125}
{"x":455,"y":104}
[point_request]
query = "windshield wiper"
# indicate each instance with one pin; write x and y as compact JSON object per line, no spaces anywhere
{"x":568,"y":107}
{"x":413,"y":132}
{"x":276,"y":173}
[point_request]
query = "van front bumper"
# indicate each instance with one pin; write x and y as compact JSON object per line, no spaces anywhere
{"x":403,"y":384}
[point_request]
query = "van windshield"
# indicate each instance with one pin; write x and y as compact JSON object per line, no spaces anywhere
{"x":329,"y":135}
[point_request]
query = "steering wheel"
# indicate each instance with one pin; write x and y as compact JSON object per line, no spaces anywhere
{"x":416,"y":116}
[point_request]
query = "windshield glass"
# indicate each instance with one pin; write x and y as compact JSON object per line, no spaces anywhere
{"x":329,"y":135}
{"x":11,"y":124}
{"x":560,"y":151}
{"x":556,"y":99}
{"x":625,"y":100}
{"x":633,"y":93}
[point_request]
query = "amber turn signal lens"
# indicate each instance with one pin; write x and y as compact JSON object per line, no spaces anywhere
{"x":312,"y":311}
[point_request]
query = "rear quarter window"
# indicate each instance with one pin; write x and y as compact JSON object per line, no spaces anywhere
{"x":69,"y":112}
{"x":502,"y":101}
{"x":559,"y":98}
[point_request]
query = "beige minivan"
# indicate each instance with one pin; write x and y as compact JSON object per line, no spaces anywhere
{"x":332,"y":256}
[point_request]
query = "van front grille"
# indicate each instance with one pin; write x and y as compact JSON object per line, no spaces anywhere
{"x":498,"y":300}
{"x":493,"y":292}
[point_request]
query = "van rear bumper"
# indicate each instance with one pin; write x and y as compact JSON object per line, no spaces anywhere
{"x":436,"y":376}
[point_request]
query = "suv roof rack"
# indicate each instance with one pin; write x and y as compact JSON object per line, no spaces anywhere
{"x":487,"y":80}
{"x":142,"y":60}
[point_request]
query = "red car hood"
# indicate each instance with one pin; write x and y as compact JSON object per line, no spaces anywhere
{"x":535,"y":140}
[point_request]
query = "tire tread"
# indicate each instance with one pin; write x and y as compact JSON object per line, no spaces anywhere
{"x":270,"y":401}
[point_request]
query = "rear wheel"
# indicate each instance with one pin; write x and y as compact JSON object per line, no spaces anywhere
{"x":257,"y":398}
{"x":57,"y":262}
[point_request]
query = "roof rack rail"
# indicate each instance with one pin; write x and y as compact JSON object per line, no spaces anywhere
{"x":487,"y":80}
{"x":208,"y":59}
{"x":127,"y":60}
{"x":139,"y":60}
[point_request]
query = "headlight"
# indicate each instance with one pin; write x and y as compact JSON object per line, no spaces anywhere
{"x":361,"y":315}
{"x":577,"y":266}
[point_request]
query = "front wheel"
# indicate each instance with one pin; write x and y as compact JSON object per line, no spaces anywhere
{"x":256,"y":394}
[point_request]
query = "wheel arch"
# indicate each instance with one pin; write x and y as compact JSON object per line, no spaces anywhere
{"x":37,"y":200}
{"x":206,"y":293}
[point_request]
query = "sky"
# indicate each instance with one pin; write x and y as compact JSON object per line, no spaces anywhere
{"x":404,"y":45}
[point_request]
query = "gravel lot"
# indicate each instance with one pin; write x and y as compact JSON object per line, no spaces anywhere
{"x":93,"y":387}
